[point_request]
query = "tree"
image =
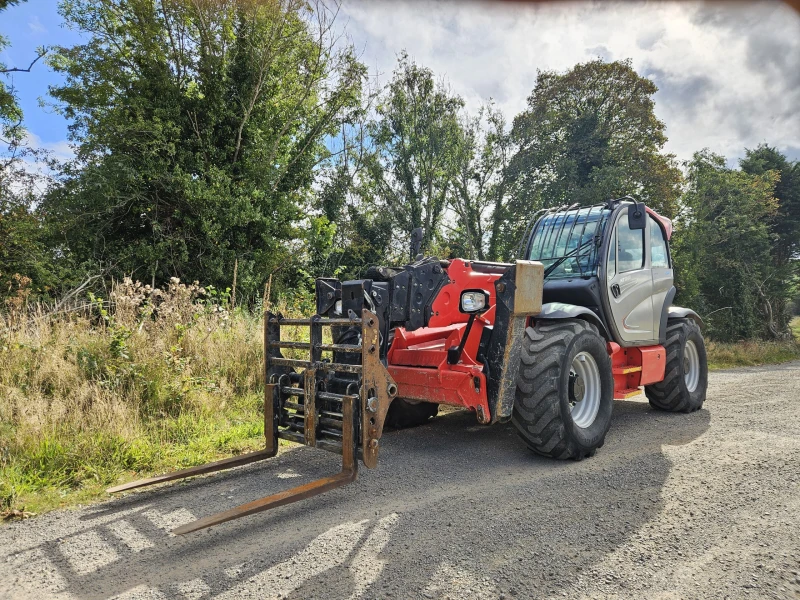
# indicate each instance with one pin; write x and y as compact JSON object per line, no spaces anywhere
{"x":785,"y":225}
{"x":364,"y":232}
{"x":23,"y":246}
{"x":479,"y":190}
{"x":199,"y":125}
{"x":12,"y":133}
{"x":721,"y":248}
{"x":784,"y":228}
{"x":416,"y":139}
{"x":588,"y":135}
{"x":22,"y":251}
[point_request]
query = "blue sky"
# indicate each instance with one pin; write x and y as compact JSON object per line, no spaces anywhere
{"x":27,"y":26}
{"x":728,"y":74}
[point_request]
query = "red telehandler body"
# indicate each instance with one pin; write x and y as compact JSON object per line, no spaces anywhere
{"x":548,"y":343}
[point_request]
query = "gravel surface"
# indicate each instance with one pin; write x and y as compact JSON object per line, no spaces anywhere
{"x":705,"y":505}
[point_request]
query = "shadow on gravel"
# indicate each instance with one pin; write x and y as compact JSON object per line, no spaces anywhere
{"x":454,"y":508}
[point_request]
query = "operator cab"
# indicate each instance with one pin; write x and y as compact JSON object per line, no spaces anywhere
{"x":605,"y":259}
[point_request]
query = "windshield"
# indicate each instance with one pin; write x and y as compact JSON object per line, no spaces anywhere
{"x":559,"y":234}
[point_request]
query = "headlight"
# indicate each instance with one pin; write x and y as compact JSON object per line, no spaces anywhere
{"x":474,"y":301}
{"x":337,"y":308}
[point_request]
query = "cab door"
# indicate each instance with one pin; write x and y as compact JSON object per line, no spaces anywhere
{"x":630,"y":283}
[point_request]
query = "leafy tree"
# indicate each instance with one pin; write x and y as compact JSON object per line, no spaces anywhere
{"x":416,"y":139}
{"x":784,"y":227}
{"x":588,"y":135}
{"x":198,"y":127}
{"x":23,"y":246}
{"x":479,"y":190}
{"x":22,"y":251}
{"x":722,"y":248}
{"x":364,"y":232}
{"x":12,"y":133}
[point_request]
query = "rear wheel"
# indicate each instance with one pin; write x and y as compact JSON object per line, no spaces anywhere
{"x":565,"y":389}
{"x":683,"y":388}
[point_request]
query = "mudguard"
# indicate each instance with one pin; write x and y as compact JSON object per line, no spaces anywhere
{"x":678,"y":312}
{"x":662,"y":324}
{"x":560,"y":310}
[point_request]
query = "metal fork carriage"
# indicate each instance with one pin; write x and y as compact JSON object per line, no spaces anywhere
{"x":336,"y":404}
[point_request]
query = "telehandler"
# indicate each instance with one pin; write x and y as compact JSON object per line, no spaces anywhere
{"x":584,"y":317}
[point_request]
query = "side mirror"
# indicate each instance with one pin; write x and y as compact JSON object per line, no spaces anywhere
{"x":637,"y":216}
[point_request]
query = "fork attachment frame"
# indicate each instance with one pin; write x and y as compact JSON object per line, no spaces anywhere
{"x":336,"y":404}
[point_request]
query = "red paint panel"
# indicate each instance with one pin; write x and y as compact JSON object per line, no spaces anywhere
{"x":445,"y":308}
{"x":443,"y":386}
{"x":654,"y":364}
{"x":418,"y":359}
{"x":665,"y":222}
{"x":634,"y":367}
{"x":425,"y":347}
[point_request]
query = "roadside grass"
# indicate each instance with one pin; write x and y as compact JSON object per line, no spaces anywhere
{"x":755,"y":352}
{"x":166,"y":379}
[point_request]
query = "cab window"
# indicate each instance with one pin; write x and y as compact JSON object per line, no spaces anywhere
{"x":611,"y":267}
{"x":658,"y":246}
{"x":630,"y":246}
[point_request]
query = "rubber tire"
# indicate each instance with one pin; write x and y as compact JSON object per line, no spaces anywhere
{"x":541,"y":412}
{"x":671,"y":393}
{"x":403,"y":413}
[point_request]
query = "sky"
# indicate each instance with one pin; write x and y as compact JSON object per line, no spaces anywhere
{"x":28,"y":26}
{"x":728,"y":74}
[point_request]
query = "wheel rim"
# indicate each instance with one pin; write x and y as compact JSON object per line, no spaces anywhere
{"x":691,"y":366}
{"x":585,"y":389}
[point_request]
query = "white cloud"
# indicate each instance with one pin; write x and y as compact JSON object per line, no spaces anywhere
{"x":728,"y":74}
{"x":35,"y":25}
{"x":61,"y":150}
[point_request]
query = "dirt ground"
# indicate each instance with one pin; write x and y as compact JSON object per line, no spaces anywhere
{"x":705,"y":505}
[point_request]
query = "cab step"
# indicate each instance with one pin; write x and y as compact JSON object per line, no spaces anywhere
{"x":626,"y":370}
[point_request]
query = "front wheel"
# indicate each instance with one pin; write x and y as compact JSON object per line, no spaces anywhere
{"x":565,"y":389}
{"x":683,"y":388}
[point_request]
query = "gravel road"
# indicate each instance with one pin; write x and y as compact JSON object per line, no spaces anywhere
{"x":705,"y":505}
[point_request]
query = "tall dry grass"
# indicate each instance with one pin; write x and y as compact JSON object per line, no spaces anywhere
{"x":145,"y":380}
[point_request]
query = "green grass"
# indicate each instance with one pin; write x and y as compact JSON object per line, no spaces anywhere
{"x":68,"y":467}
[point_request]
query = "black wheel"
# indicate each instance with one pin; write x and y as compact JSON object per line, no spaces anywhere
{"x":565,"y":389}
{"x":683,"y":388}
{"x":403,"y":413}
